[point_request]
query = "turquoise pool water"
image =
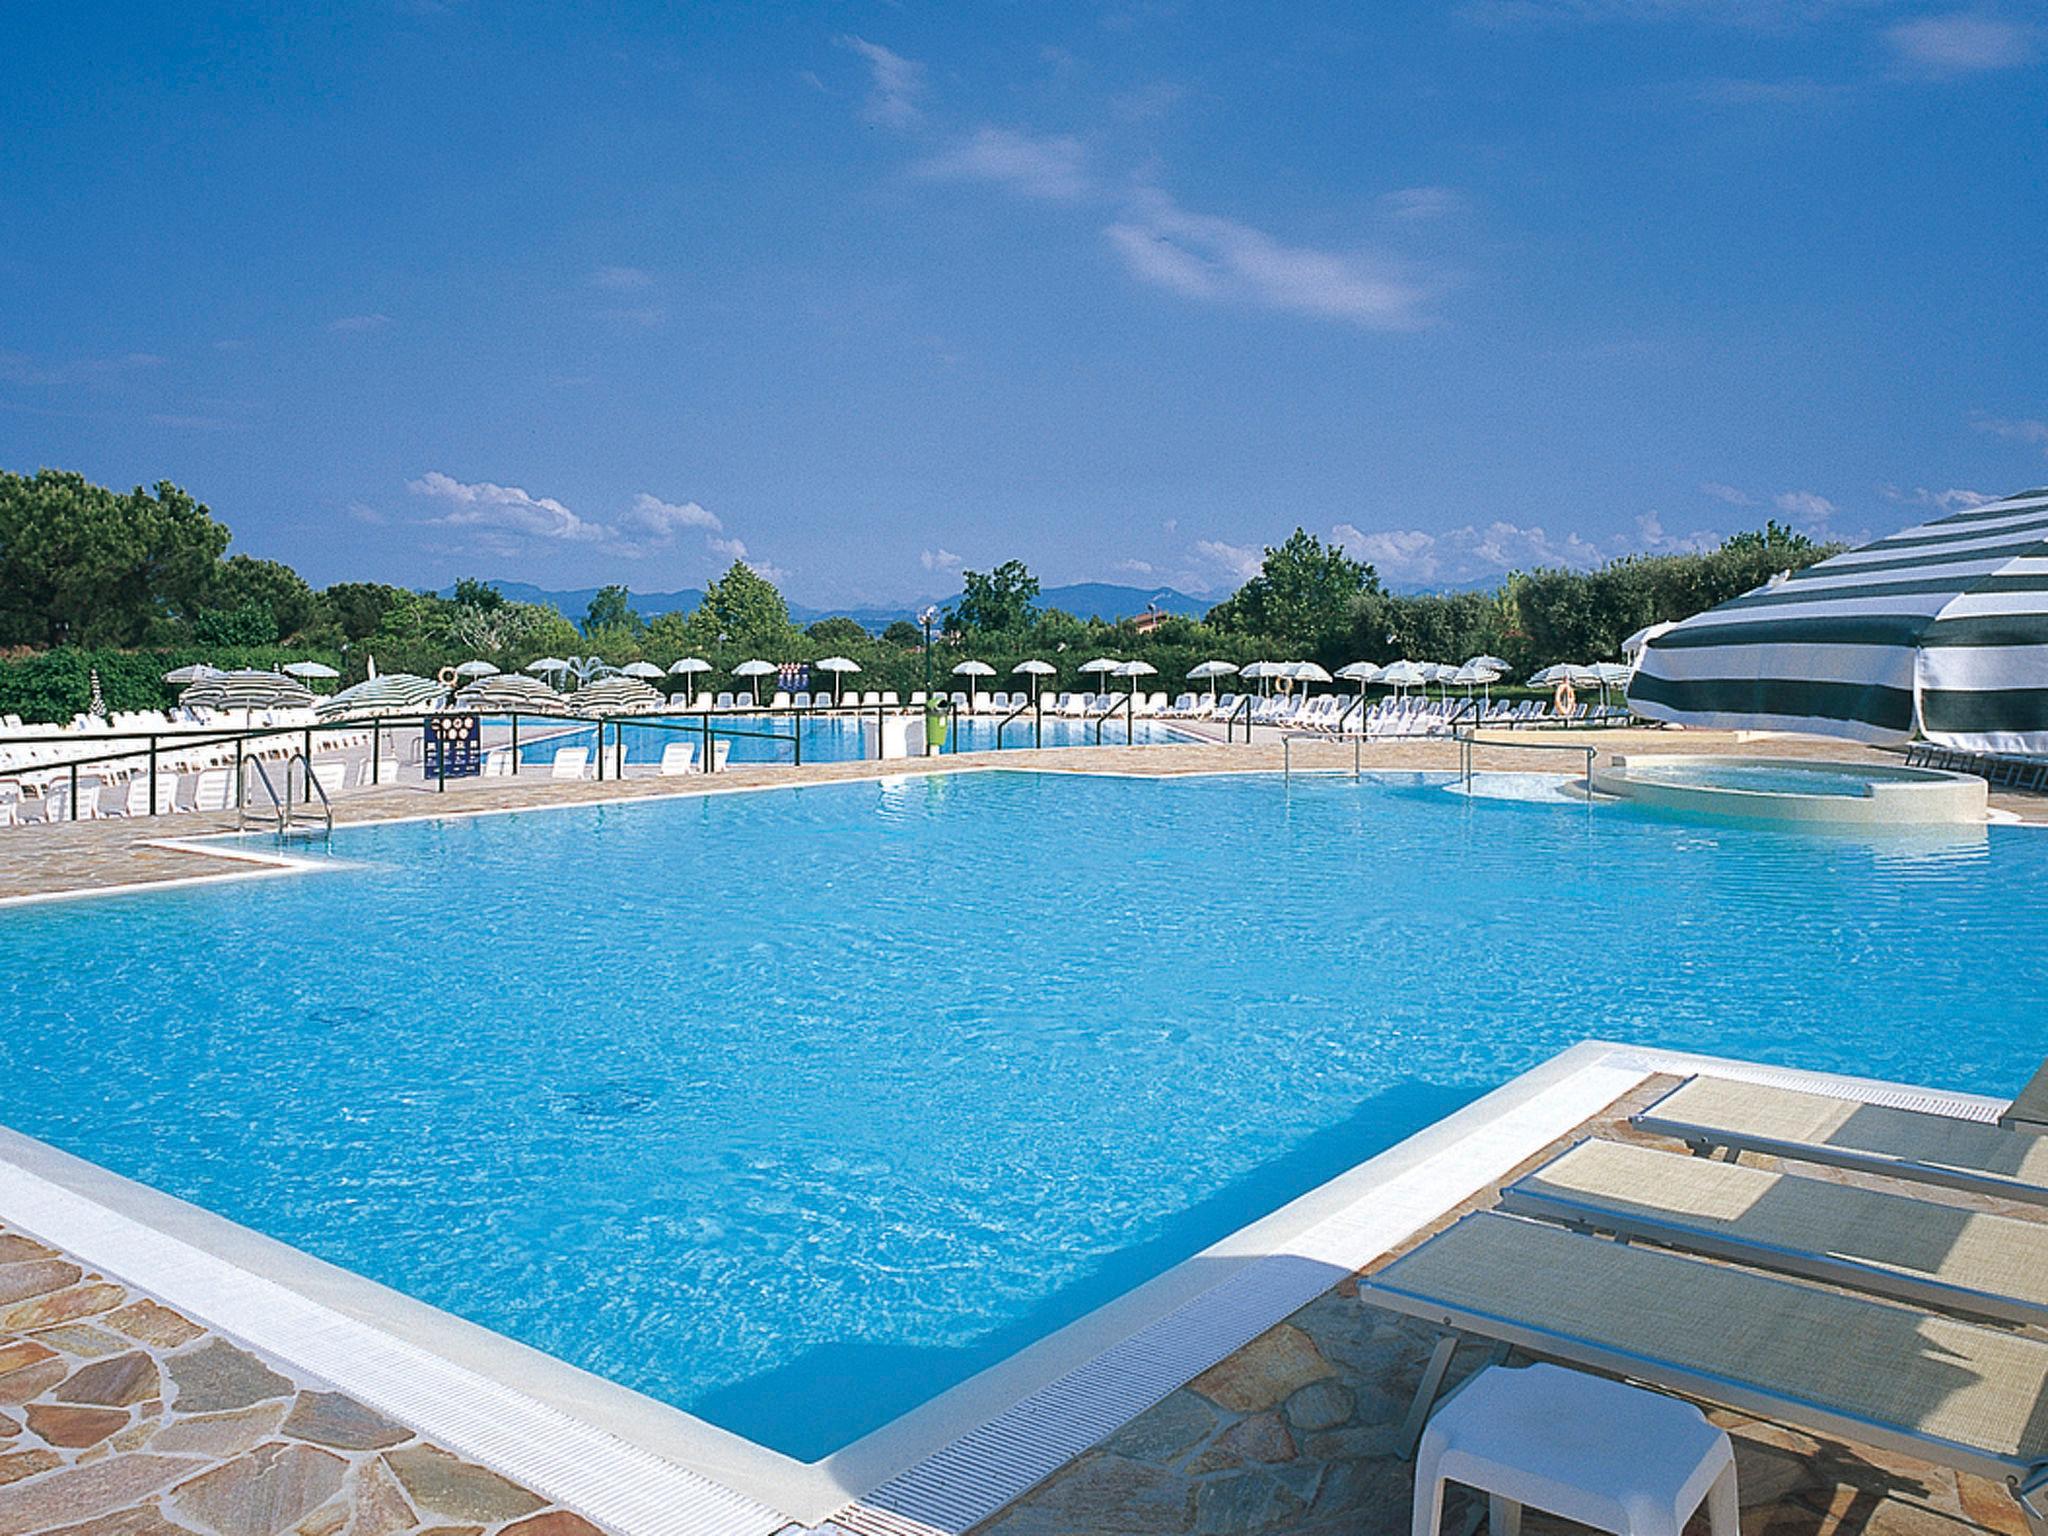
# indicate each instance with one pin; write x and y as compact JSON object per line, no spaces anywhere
{"x":794,"y":1108}
{"x":827,"y":738}
{"x":1771,"y":778}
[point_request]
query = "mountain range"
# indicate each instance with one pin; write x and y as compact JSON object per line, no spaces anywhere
{"x":1086,"y":599}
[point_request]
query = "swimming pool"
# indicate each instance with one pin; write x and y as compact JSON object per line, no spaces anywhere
{"x":826,"y":738}
{"x":794,"y":1108}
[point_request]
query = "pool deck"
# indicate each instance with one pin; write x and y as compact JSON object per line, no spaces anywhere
{"x":131,"y":1412}
{"x":77,"y":858}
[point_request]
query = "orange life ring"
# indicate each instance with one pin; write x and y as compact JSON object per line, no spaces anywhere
{"x":448,"y":677}
{"x":1564,"y":700}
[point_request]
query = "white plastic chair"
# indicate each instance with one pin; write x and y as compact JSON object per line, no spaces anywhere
{"x":569,"y":763}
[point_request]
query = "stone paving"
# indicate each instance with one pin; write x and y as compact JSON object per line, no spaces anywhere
{"x":122,"y":1417}
{"x":1296,"y":1435}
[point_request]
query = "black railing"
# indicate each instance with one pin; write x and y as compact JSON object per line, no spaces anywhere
{"x":1241,"y":711}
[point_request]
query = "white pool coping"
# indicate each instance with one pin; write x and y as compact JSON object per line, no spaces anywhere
{"x":642,"y":1468}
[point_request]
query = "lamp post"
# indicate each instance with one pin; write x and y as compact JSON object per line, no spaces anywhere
{"x":926,"y":619}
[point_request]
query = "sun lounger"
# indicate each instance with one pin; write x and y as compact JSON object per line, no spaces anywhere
{"x":678,"y":757}
{"x":212,"y":792}
{"x":1711,"y":1113}
{"x":569,"y":763}
{"x":2029,"y":1112}
{"x":1959,"y":1394}
{"x":1930,"y":1254}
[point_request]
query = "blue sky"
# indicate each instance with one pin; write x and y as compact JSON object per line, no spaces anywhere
{"x":863,"y":292}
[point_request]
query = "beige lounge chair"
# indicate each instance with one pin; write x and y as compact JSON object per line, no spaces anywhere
{"x":1931,"y":1254}
{"x":1712,"y":1113}
{"x":1959,"y":1394}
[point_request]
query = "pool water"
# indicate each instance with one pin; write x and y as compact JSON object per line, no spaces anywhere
{"x":1773,"y":778}
{"x":794,"y":1108}
{"x":826,"y":738}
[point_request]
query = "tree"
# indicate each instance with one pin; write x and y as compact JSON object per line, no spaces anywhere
{"x":1303,"y":594}
{"x":357,"y":607}
{"x":481,"y":595}
{"x":610,"y":609}
{"x":744,"y":608}
{"x":999,"y":602}
{"x":84,"y":564}
{"x":903,"y":634}
{"x":838,"y":630}
{"x":244,"y":586}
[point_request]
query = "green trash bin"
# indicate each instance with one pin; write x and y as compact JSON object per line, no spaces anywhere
{"x":935,"y":727}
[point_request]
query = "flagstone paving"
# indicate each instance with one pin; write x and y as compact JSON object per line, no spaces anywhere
{"x":122,"y":1417}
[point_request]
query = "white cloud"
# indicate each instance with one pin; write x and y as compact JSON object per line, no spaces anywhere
{"x":1944,"y":501}
{"x":1733,"y":495}
{"x":1419,"y":204}
{"x":1806,"y":505}
{"x":939,"y":560}
{"x":1237,"y":561}
{"x":1136,"y":567}
{"x":352,"y":323}
{"x":2021,"y":431}
{"x":1652,"y":539}
{"x":1480,"y":550}
{"x":894,"y":84}
{"x":1203,"y":256}
{"x":663,"y":518}
{"x":504,"y":519}
{"x":1051,"y":167}
{"x":622,"y":279}
{"x":505,"y":507}
{"x":1961,"y":44}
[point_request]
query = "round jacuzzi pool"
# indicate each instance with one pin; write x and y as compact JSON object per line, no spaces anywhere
{"x":1794,"y":789}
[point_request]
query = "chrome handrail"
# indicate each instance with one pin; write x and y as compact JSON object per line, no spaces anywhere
{"x":1287,"y":751}
{"x":313,"y":787}
{"x":1468,"y":740}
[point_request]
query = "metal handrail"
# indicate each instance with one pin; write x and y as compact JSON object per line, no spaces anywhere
{"x":1244,"y":708}
{"x":1129,"y":705}
{"x":1468,"y":740}
{"x":1027,"y":707}
{"x":1287,"y":751}
{"x":284,"y":812}
{"x":313,"y":787}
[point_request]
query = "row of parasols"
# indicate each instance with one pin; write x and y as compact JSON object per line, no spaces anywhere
{"x":602,"y":689}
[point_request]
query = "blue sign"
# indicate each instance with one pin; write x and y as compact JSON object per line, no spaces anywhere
{"x":454,"y":747}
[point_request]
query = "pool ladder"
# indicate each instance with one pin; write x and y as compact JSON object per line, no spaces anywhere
{"x":283,"y":818}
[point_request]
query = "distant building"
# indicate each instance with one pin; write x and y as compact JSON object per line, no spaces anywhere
{"x":1153,"y":616}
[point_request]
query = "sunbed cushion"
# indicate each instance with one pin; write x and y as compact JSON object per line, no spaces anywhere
{"x":1969,"y":1250}
{"x":1751,"y":1111}
{"x":1843,"y":1355}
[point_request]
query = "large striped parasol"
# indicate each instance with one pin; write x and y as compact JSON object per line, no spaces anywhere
{"x":509,"y":692}
{"x":391,"y":693}
{"x":616,"y":696}
{"x":1941,"y":630}
{"x":247,"y":690}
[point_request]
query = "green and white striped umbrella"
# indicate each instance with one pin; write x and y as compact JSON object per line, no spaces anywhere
{"x":392,"y":693}
{"x":616,"y":696}
{"x":247,"y":690}
{"x":507,"y":693}
{"x":1941,"y":630}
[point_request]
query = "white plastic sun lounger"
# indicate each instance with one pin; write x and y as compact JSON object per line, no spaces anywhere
{"x":1959,"y":1394}
{"x":569,"y":763}
{"x":678,"y":757}
{"x":1931,"y":1254}
{"x":1711,"y":1113}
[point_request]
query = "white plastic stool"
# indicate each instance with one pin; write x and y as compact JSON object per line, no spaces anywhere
{"x":1596,"y":1451}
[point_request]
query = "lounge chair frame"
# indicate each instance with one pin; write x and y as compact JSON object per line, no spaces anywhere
{"x":1705,"y":1140}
